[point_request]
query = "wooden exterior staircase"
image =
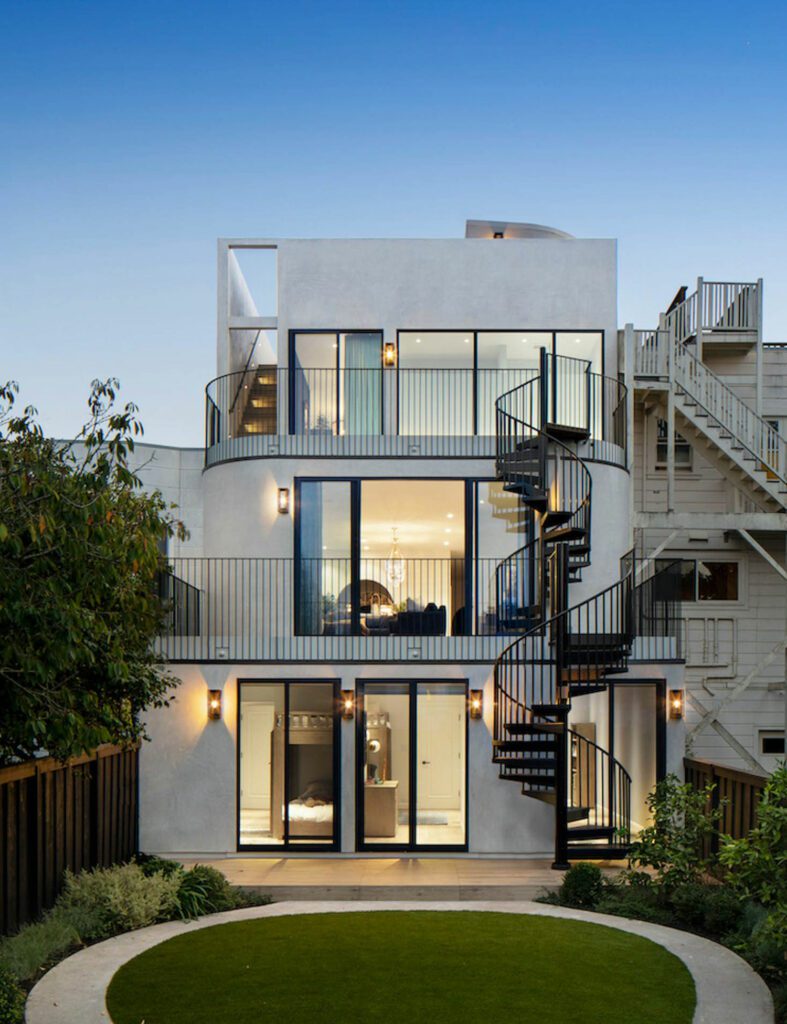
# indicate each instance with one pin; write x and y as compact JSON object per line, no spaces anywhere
{"x":746,"y":449}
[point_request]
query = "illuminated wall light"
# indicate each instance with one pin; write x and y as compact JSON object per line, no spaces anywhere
{"x":348,"y":704}
{"x":284,"y":500}
{"x":476,"y":703}
{"x":676,"y":703}
{"x":389,"y":354}
{"x":498,"y":234}
{"x":214,"y":705}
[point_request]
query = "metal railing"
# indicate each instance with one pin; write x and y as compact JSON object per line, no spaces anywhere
{"x":600,"y":786}
{"x":271,"y":410}
{"x":657,"y":612}
{"x":277,"y":609}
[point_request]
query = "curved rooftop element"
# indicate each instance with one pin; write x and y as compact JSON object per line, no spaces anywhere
{"x":510,"y":229}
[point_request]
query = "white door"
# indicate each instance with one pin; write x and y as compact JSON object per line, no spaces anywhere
{"x":256,"y":725}
{"x":441,"y":752}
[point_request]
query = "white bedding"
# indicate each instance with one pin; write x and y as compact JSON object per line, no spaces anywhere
{"x":320,"y":812}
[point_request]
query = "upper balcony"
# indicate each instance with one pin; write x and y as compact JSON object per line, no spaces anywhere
{"x":385,"y":409}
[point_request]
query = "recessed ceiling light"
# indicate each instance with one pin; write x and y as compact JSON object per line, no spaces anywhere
{"x":481,"y":501}
{"x":524,"y":341}
{"x":366,"y":547}
{"x":577,"y":341}
{"x":418,"y":341}
{"x":325,"y":547}
{"x":450,"y":515}
{"x":448,"y":529}
{"x":446,"y":543}
{"x":467,"y":341}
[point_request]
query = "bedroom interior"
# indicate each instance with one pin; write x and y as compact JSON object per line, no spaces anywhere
{"x":412,"y":763}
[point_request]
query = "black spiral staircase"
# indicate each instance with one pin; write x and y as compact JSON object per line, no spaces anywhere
{"x":560,"y":652}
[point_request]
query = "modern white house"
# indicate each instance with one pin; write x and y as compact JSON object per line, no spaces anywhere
{"x":470,"y":567}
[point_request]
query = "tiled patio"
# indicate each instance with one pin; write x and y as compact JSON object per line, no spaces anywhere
{"x":370,"y":878}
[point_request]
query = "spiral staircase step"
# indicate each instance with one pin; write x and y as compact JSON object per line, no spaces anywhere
{"x":564,"y":432}
{"x":528,"y":728}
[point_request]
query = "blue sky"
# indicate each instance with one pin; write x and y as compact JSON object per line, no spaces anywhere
{"x":133,"y":135}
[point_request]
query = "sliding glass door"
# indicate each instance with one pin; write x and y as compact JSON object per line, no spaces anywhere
{"x":287,"y":764}
{"x":336,"y":382}
{"x":412,"y":765}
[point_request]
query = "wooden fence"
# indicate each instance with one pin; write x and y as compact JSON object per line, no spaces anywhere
{"x":53,"y":816}
{"x":737,"y":793}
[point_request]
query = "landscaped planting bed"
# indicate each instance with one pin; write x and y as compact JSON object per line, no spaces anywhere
{"x":393,"y":966}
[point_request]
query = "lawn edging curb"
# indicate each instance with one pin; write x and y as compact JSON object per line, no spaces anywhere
{"x":728,"y":990}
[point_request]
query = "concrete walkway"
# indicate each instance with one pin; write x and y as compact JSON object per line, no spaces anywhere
{"x":728,"y":990}
{"x":391,"y":878}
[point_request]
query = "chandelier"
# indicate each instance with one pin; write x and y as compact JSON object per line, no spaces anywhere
{"x":394,"y":566}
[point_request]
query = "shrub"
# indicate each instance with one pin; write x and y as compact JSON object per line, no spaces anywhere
{"x":12,"y":998}
{"x":204,"y":890}
{"x":152,"y":865}
{"x":713,"y":909}
{"x":639,"y":899}
{"x":756,"y":866}
{"x":681,"y":822}
{"x":119,"y":899}
{"x":36,"y":946}
{"x":582,"y":886}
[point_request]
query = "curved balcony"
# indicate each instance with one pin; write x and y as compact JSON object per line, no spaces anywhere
{"x":392,"y":412}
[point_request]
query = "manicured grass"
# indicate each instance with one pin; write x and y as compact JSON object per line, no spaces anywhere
{"x":399,"y":967}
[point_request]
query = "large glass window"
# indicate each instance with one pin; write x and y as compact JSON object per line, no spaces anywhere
{"x":381,"y":557}
{"x":412,"y":764}
{"x":436,"y":383}
{"x":506,"y":583}
{"x":336,"y":382}
{"x":287,"y":734}
{"x":324,"y":570}
{"x":506,"y":359}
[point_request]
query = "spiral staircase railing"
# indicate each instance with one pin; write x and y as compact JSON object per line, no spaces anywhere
{"x":566,"y":651}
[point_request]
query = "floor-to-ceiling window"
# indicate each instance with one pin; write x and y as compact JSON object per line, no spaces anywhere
{"x":412,"y":764}
{"x":449,"y":381}
{"x":287,"y":757}
{"x":381,"y":557}
{"x":336,"y":382}
{"x":436,"y":383}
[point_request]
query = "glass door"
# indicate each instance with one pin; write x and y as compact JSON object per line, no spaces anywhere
{"x":336,"y":382}
{"x":441,"y":760}
{"x":386,"y":765}
{"x":412,"y":765}
{"x":287,"y":756}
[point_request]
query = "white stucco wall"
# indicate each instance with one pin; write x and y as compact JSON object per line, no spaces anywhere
{"x":188,"y":777}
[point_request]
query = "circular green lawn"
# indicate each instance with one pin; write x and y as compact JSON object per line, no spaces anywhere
{"x":397,"y":967}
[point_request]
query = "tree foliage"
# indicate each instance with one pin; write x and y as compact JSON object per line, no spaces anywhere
{"x":79,"y":562}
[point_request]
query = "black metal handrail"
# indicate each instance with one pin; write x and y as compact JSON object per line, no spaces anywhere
{"x":600,"y":786}
{"x":364,"y":406}
{"x":573,"y":649}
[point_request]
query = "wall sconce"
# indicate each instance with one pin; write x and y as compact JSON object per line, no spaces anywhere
{"x":498,"y":234}
{"x":348,"y":704}
{"x":214,"y":704}
{"x":389,"y":354}
{"x":284,"y":500}
{"x":476,"y":703}
{"x":676,"y":704}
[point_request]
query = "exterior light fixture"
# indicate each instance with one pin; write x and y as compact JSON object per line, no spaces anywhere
{"x":284,"y":500}
{"x":214,"y":705}
{"x":389,"y":354}
{"x":476,"y":703}
{"x":348,"y":704}
{"x":498,"y":234}
{"x":676,"y":704}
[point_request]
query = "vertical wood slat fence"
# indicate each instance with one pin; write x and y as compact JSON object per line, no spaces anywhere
{"x":56,"y":816}
{"x":736,"y":792}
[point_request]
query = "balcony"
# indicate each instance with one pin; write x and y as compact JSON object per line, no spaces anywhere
{"x":393,"y":412}
{"x":277,"y":610}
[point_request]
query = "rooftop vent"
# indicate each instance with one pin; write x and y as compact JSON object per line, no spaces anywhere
{"x":510,"y":229}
